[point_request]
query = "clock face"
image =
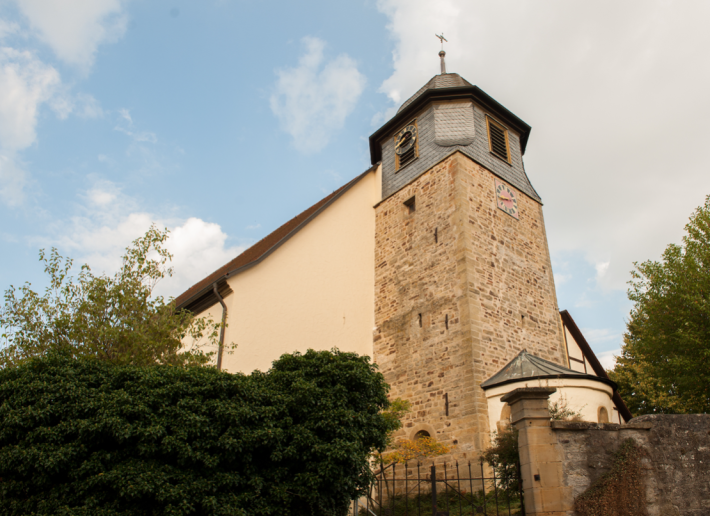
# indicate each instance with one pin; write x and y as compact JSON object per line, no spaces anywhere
{"x":404,"y":141}
{"x":506,"y":199}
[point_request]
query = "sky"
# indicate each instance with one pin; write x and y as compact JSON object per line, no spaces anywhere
{"x":223,"y":119}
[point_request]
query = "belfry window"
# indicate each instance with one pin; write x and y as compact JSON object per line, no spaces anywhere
{"x":406,"y":146}
{"x":498,"y":140}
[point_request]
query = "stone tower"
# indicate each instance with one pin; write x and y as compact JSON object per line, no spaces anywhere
{"x":463,"y":280}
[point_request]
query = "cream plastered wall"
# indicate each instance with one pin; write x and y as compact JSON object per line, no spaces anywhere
{"x":583,"y":396}
{"x":315,"y":291}
{"x":577,"y":360}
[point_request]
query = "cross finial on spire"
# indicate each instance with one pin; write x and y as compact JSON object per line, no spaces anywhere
{"x":442,"y":54}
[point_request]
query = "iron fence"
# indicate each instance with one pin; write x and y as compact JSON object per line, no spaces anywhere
{"x":444,"y":490}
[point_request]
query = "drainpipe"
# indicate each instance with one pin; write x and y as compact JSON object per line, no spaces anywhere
{"x":221,"y":330}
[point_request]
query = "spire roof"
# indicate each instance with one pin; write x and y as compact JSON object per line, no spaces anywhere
{"x":438,"y":82}
{"x":529,"y":367}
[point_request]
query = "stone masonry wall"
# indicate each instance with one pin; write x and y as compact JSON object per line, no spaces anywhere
{"x":676,"y":459}
{"x":484,"y":272}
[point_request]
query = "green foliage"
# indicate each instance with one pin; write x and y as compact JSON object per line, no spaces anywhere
{"x":620,"y":491}
{"x":397,"y":409}
{"x":88,"y":437}
{"x":504,"y":457}
{"x":421,"y":448}
{"x":405,"y":450}
{"x":664,"y":365}
{"x":560,"y":411}
{"x":111,"y":318}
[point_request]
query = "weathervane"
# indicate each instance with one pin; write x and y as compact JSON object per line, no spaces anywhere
{"x":442,"y":54}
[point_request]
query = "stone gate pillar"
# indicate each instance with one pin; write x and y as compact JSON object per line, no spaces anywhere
{"x":540,"y":457}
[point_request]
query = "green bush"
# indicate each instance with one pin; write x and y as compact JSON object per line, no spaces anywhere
{"x":503,"y":456}
{"x":86,"y":437}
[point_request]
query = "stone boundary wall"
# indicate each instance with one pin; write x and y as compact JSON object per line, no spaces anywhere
{"x":560,"y":460}
{"x":676,"y":463}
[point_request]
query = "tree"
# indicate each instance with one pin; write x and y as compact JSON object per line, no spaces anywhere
{"x":406,"y":450}
{"x":503,"y":456}
{"x":81,"y":436}
{"x":401,"y":451}
{"x":664,"y":365}
{"x":114,"y":318}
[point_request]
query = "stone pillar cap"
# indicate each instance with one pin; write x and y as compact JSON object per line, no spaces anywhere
{"x":528,"y":393}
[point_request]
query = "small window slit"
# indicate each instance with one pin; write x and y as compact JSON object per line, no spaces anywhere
{"x":411,"y":204}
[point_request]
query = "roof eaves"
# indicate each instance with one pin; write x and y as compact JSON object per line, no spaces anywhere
{"x":582,"y":376}
{"x":473,"y":92}
{"x":185,"y":303}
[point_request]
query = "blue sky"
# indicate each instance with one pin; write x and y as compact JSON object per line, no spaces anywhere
{"x":223,"y":119}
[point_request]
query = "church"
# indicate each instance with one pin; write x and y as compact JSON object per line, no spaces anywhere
{"x":434,"y":262}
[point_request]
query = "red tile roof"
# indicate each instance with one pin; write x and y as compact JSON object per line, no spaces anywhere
{"x":262,"y":248}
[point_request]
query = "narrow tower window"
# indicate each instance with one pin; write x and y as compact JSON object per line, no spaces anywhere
{"x":498,"y":140}
{"x":410,"y":203}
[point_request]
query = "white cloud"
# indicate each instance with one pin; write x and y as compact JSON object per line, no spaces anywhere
{"x":88,"y":107}
{"x":602,"y":268}
{"x":125,"y":126}
{"x":99,"y":196}
{"x":25,"y":83}
{"x":74,"y":29}
{"x":608,"y":358}
{"x":8,"y":28}
{"x":600,"y":335}
{"x":108,"y":221}
{"x":199,"y":248}
{"x":313,"y":99}
{"x":617,"y":104}
{"x":126,"y":115}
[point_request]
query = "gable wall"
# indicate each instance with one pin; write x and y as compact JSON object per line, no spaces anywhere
{"x":315,"y":291}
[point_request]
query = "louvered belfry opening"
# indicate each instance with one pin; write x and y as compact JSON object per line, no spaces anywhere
{"x":498,"y":138}
{"x":411,"y":154}
{"x":407,"y":157}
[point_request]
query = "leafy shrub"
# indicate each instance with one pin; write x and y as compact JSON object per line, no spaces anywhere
{"x":87,"y":437}
{"x":503,"y":456}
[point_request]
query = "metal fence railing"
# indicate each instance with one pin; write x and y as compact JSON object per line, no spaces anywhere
{"x":443,"y":490}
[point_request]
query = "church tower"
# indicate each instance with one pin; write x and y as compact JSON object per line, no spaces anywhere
{"x":463,"y":280}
